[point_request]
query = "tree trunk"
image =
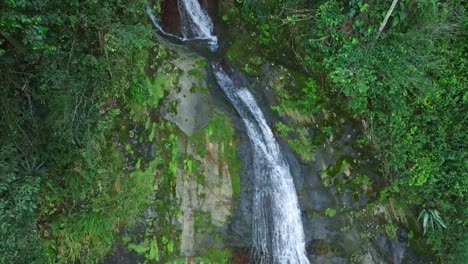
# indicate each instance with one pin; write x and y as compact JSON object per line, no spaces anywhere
{"x":387,"y":16}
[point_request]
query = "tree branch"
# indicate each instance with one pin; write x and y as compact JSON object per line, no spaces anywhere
{"x":387,"y":16}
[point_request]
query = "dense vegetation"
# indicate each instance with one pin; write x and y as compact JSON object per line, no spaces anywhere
{"x":68,"y":71}
{"x":75,"y":74}
{"x":404,"y":80}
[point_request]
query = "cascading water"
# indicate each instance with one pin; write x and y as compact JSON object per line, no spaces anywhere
{"x":195,"y":22}
{"x":278,"y":236}
{"x":277,"y":228}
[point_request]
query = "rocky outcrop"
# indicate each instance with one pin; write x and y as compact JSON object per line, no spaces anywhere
{"x":189,"y":105}
{"x":204,"y":191}
{"x":352,"y":233}
{"x":198,"y":197}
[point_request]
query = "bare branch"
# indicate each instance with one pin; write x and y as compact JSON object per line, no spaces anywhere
{"x":387,"y":16}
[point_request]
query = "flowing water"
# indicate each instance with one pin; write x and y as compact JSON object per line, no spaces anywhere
{"x":278,"y":235}
{"x":277,"y":228}
{"x":195,"y":22}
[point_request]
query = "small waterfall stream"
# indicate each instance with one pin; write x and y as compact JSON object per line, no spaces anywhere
{"x":278,"y":235}
{"x":196,"y":23}
{"x":277,"y":228}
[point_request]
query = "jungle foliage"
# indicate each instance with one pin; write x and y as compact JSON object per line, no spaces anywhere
{"x":68,"y":72}
{"x":406,"y":85}
{"x":71,"y":72}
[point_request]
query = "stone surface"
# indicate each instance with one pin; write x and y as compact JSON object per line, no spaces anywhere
{"x":214,"y":197}
{"x":122,"y":255}
{"x":337,"y":239}
{"x":193,"y":102}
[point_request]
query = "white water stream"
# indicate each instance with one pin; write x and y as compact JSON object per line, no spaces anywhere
{"x":196,"y":23}
{"x":277,"y":227}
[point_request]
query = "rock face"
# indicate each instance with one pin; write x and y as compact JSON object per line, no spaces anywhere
{"x":211,"y":197}
{"x":170,"y":17}
{"x":189,"y":105}
{"x":326,"y":184}
{"x":203,"y":186}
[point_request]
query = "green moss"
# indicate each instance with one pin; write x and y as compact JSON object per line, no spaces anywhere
{"x":282,"y":129}
{"x":391,"y":229}
{"x":360,"y":183}
{"x":299,"y":101}
{"x":196,"y":73}
{"x":173,"y":107}
{"x":202,"y":63}
{"x":157,"y":88}
{"x":161,"y":237}
{"x":240,"y":53}
{"x":334,"y":175}
{"x":216,"y":255}
{"x":148,"y":248}
{"x":221,"y":132}
{"x":299,"y":141}
{"x":153,"y":132}
{"x":128,"y":147}
{"x":302,"y":146}
{"x":97,"y":197}
{"x":235,"y":166}
{"x":203,"y":222}
{"x":154,"y":247}
{"x":148,"y":123}
{"x":330,"y":212}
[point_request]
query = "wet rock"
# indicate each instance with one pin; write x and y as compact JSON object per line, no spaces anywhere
{"x":187,"y":239}
{"x":241,"y":256}
{"x":316,"y":196}
{"x":147,"y":150}
{"x":318,"y":247}
{"x":122,"y":255}
{"x":211,"y":6}
{"x":411,"y":258}
{"x":350,"y":242}
{"x":392,"y":251}
{"x":327,"y":259}
{"x":294,"y":166}
{"x":241,"y":220}
{"x":316,"y":227}
{"x":208,"y":202}
{"x":170,"y":16}
{"x":402,"y":235}
{"x":367,"y":259}
{"x":326,"y":242}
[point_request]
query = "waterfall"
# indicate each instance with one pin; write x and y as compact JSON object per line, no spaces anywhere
{"x":277,"y":227}
{"x":195,"y":22}
{"x":277,"y":235}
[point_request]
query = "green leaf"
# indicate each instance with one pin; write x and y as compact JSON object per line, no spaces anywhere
{"x":154,"y":252}
{"x":425,"y":221}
